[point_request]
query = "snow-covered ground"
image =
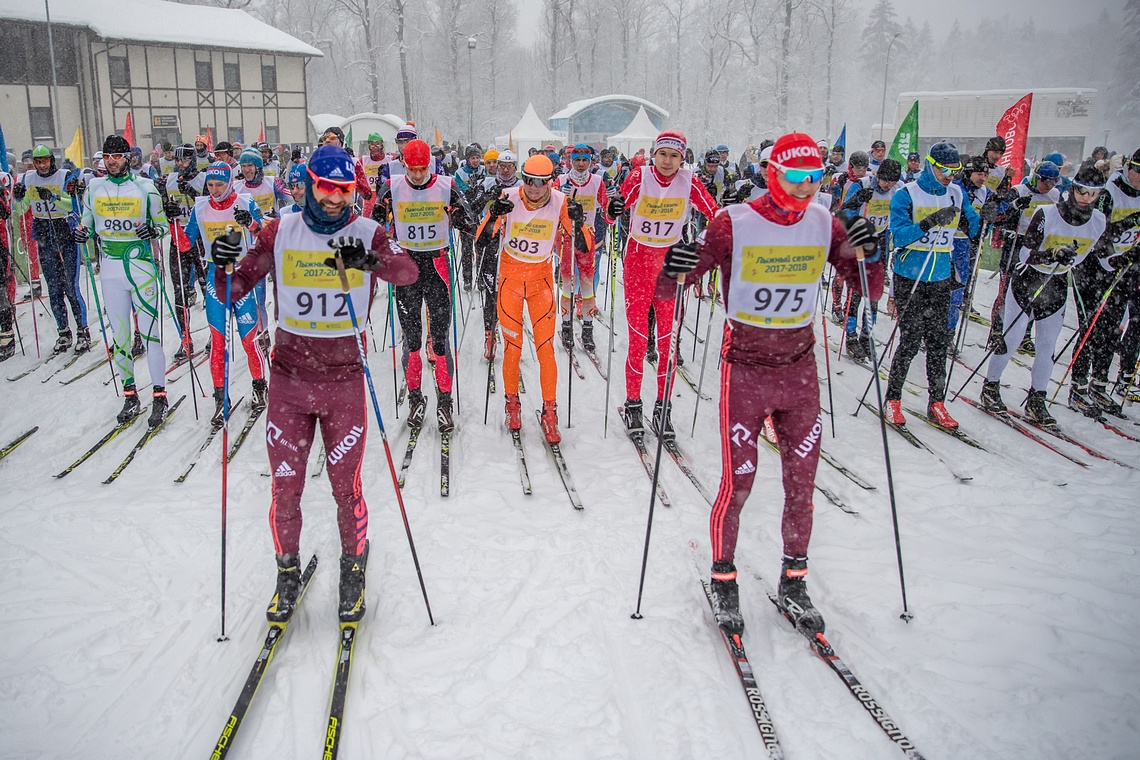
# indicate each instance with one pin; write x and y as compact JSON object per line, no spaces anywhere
{"x":1024,"y":584}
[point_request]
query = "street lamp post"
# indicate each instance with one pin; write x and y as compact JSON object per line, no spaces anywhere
{"x":471,"y":88}
{"x":54,"y":78}
{"x":886,"y":68}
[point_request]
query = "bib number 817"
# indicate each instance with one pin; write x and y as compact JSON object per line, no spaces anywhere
{"x":655,"y":228}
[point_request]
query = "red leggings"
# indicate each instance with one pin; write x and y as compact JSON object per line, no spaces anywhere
{"x":748,"y":394}
{"x":642,"y":265}
{"x":294,"y":408}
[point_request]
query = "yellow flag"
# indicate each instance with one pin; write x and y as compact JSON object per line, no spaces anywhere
{"x":438,"y":139}
{"x":75,"y":150}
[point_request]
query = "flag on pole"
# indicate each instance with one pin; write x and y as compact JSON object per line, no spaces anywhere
{"x":261,"y":132}
{"x":906,"y":139}
{"x":3,"y":151}
{"x":438,"y":139}
{"x":1014,"y":127}
{"x":842,"y":141}
{"x":74,"y":151}
{"x":128,"y":131}
{"x":209,"y":140}
{"x":349,"y":138}
{"x":511,"y":141}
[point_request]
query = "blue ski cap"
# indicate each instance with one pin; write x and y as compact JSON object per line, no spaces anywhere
{"x":722,"y":148}
{"x":581,"y":150}
{"x":332,"y":162}
{"x":296,"y":174}
{"x":251,"y":156}
{"x":945,"y":153}
{"x":1047,"y":170}
{"x":1055,"y":158}
{"x":219,"y":171}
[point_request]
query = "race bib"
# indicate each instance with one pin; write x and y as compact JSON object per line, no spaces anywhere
{"x":1123,"y":240}
{"x":937,"y":238}
{"x":211,"y":231}
{"x":118,"y":217}
{"x":879,"y":212}
{"x":314,"y":289}
{"x":530,"y":241}
{"x":419,"y":224}
{"x":42,"y":209}
{"x":777,"y":285}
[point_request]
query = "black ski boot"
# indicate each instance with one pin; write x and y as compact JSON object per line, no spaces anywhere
{"x":131,"y":405}
{"x":219,"y":417}
{"x":1037,"y":411}
{"x":634,"y":424}
{"x":443,"y":412}
{"x":1099,"y":395}
{"x":263,"y":339}
{"x":82,"y":340}
{"x":1080,"y":402}
{"x":184,"y":352}
{"x":855,"y":348}
{"x":726,"y":598}
{"x":288,"y":589}
{"x":588,"y":337}
{"x":417,"y":408}
{"x":1027,"y":348}
{"x":158,"y":406}
{"x":793,"y":599}
{"x":260,"y":395}
{"x":352,"y":571}
{"x":568,"y":334}
{"x":865,"y":346}
{"x":651,"y":353}
{"x":62,"y":343}
{"x":991,"y":397}
{"x":137,"y":347}
{"x":662,"y":421}
{"x":7,"y":345}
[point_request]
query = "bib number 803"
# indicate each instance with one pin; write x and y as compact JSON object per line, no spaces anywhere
{"x":306,"y":304}
{"x":522,"y":245}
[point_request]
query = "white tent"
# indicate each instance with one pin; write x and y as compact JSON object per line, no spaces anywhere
{"x":639,"y":134}
{"x":529,"y":133}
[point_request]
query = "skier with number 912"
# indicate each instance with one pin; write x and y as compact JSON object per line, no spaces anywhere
{"x":316,"y":368}
{"x":771,"y":253}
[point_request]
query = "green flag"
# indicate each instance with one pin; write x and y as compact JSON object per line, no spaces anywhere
{"x":906,"y":139}
{"x":352,"y":145}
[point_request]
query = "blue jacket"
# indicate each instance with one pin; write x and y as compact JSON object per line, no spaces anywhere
{"x":905,"y":232}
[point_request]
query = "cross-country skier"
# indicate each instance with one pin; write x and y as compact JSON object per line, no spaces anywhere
{"x":183,"y":186}
{"x":578,"y":268}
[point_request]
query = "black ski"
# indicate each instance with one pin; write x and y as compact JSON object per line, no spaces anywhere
{"x":686,"y":466}
{"x":952,"y":432}
{"x":560,"y":464}
{"x":339,"y":690}
{"x":66,"y":365}
{"x":520,"y":456}
{"x":638,"y":441}
{"x":915,"y":441}
{"x":180,"y":371}
{"x":593,"y":357}
{"x":85,"y":372}
{"x":574,"y":363}
{"x":257,"y":673}
{"x":824,"y":650}
{"x":114,"y":432}
{"x":244,"y":433}
{"x":42,"y":363}
{"x":205,"y":445}
{"x":684,"y":374}
{"x":845,"y":472}
{"x":149,"y":434}
{"x":1008,"y":421}
{"x":828,"y":494}
{"x":14,"y":444}
{"x":320,"y":465}
{"x":413,"y":438}
{"x":444,"y":463}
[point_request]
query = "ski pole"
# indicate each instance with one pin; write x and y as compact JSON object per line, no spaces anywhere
{"x":226,"y":428}
{"x":615,"y":242}
{"x":452,"y":273}
{"x":380,"y":421}
{"x":967,"y":306}
{"x":705,"y":353}
{"x":827,"y":363}
{"x":392,"y":328}
{"x":185,"y":329}
{"x":1088,"y":332}
{"x":487,"y":397}
{"x":99,"y":311}
{"x":670,"y":367}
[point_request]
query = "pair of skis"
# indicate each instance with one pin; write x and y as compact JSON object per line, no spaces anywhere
{"x":444,"y":459}
{"x":555,"y":450}
{"x":117,"y":430}
{"x":210,"y":439}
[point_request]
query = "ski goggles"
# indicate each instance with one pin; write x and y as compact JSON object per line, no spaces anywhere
{"x":945,"y":169}
{"x":535,"y":181}
{"x":1086,"y":191}
{"x":796,"y":176}
{"x":332,"y":186}
{"x":115,"y":156}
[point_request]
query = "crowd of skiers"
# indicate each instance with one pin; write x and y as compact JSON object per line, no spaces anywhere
{"x":792,"y":223}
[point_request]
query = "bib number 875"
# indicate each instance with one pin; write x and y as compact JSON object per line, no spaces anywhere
{"x":306,"y":303}
{"x":764,"y":297}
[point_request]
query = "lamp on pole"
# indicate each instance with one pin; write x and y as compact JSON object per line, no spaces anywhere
{"x":886,"y":68}
{"x":54,"y":78}
{"x":471,"y":88}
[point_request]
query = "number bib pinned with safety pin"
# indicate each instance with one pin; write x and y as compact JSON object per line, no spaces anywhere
{"x":660,"y":212}
{"x":421,"y":219}
{"x":776,"y":268}
{"x":310,"y":300}
{"x":938,"y":239}
{"x":530,"y":235}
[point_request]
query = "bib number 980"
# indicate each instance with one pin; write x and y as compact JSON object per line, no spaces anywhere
{"x":118,"y":225}
{"x":306,"y":303}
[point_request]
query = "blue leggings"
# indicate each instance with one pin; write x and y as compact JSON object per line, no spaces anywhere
{"x":59,"y":259}
{"x":960,"y":260}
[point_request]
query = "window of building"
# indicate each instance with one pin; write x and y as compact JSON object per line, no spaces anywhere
{"x":43,"y":125}
{"x":120,"y":70}
{"x":204,"y":75}
{"x":231,"y":73}
{"x":272,"y":134}
{"x":268,"y":78}
{"x":13,"y":53}
{"x":236,"y":135}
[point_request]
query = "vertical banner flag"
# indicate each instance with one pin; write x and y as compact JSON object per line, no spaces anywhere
{"x":906,"y":139}
{"x":3,"y":152}
{"x":349,"y":143}
{"x":261,"y":132}
{"x":74,"y":151}
{"x":842,"y":141}
{"x":1014,"y":127}
{"x":128,"y":131}
{"x":438,"y":139}
{"x":209,"y":139}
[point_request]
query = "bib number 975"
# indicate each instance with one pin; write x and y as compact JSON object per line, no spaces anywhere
{"x":306,"y":303}
{"x":765,"y":296}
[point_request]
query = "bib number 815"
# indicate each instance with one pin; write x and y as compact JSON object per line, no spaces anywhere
{"x":422,"y":232}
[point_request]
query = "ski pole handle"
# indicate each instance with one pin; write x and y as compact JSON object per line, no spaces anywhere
{"x":340,"y":271}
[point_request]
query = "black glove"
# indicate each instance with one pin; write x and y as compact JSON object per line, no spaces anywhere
{"x":709,"y":185}
{"x":79,"y":234}
{"x":939,"y":218}
{"x":146,"y":231}
{"x":1065,"y":255}
{"x":681,"y":258}
{"x":501,"y":206}
{"x":185,"y":188}
{"x":989,"y":211}
{"x":243,"y":217}
{"x":353,"y":253}
{"x":997,"y":344}
{"x":1021,"y":203}
{"x":864,"y":195}
{"x":226,"y":250}
{"x":44,"y":193}
{"x":616,"y":207}
{"x":19,"y":191}
{"x":861,"y":233}
{"x":172,"y":208}
{"x":575,"y":211}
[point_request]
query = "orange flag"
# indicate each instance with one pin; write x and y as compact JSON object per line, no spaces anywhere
{"x":209,"y":140}
{"x":129,"y":131}
{"x":261,"y":133}
{"x":438,"y":139}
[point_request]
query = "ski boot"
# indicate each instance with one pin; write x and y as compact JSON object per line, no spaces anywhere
{"x":184,"y":352}
{"x":82,"y":340}
{"x":158,"y":406}
{"x":352,"y":571}
{"x":417,"y":408}
{"x":634,"y":424}
{"x":288,"y":589}
{"x":7,"y":345}
{"x":131,"y":405}
{"x":62,"y":343}
{"x":37,"y":290}
{"x":726,"y":598}
{"x":549,"y":421}
{"x":1099,"y":395}
{"x":568,"y":335}
{"x":260,"y":395}
{"x":219,"y":417}
{"x":991,"y":397}
{"x":893,"y":413}
{"x":588,"y":336}
{"x":1079,"y":401}
{"x":651,"y":353}
{"x":996,"y":343}
{"x":443,"y":412}
{"x":489,"y":344}
{"x":1036,"y":410}
{"x":792,"y":597}
{"x":855,"y":348}
{"x":191,"y":297}
{"x":1027,"y":348}
{"x":514,"y":412}
{"x":663,"y":421}
{"x":137,"y":347}
{"x":937,"y":412}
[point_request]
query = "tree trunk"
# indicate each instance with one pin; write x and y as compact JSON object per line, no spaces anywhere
{"x":782,"y":75}
{"x":370,"y":50}
{"x":401,"y":34}
{"x":830,"y":53}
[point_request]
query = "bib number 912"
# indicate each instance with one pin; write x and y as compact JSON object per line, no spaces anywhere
{"x":306,"y":303}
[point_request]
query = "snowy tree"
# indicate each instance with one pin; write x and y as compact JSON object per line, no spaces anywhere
{"x":1124,"y":89}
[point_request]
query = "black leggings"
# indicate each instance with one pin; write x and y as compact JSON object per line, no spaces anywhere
{"x":432,"y":288}
{"x":922,"y":316}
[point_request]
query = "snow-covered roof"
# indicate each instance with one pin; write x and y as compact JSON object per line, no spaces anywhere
{"x":997,"y":93}
{"x":530,"y":127}
{"x":163,"y":23}
{"x":322,"y":121}
{"x":640,"y":128}
{"x":580,"y":105}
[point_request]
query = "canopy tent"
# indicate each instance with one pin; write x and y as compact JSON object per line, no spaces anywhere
{"x":639,"y":134}
{"x":529,"y":133}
